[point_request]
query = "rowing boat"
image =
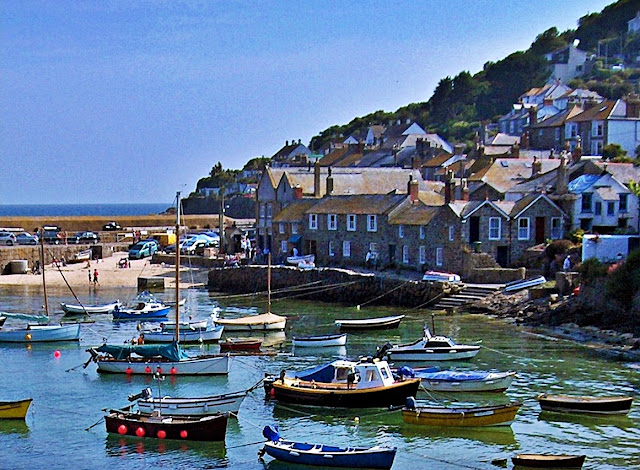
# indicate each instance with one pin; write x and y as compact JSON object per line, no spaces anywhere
{"x":14,"y":409}
{"x":619,"y":405}
{"x":380,"y":323}
{"x":548,"y":460}
{"x":468,"y":416}
{"x":320,"y":340}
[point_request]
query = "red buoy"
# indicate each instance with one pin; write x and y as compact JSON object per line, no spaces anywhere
{"x":272,"y":393}
{"x":159,"y":370}
{"x":183,"y":434}
{"x":128,"y":371}
{"x":122,"y":429}
{"x":173,"y":371}
{"x":140,"y":432}
{"x":56,"y":354}
{"x":162,"y":434}
{"x":147,"y":369}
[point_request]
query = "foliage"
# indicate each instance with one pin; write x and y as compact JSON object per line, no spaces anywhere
{"x":592,"y":270}
{"x":557,"y":247}
{"x":612,"y":21}
{"x":576,"y":235}
{"x":611,"y":151}
{"x":624,"y":282}
{"x":258,"y":163}
{"x":218,"y":177}
{"x":623,"y":159}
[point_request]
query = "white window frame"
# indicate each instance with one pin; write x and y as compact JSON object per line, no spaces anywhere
{"x":373,"y":247}
{"x":332,"y":251}
{"x":346,"y":249}
{"x":405,"y":254}
{"x":332,"y":222}
{"x":269,"y":210}
{"x":294,"y":229}
{"x":524,"y":228}
{"x":401,"y":231}
{"x":313,"y":221}
{"x":372,"y":223}
{"x":492,"y":228}
{"x":281,"y":227}
{"x":439,"y":256}
{"x":423,"y":232}
{"x":452,"y":232}
{"x":283,"y":246}
{"x":351,"y":223}
{"x":263,"y":211}
{"x":556,"y":231}
{"x":422,"y":254}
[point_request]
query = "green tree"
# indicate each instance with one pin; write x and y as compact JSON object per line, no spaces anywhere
{"x":611,"y":151}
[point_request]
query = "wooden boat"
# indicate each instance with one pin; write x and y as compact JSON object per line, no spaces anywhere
{"x":364,"y":384}
{"x":81,"y":256}
{"x":320,"y":341}
{"x":240,"y":344}
{"x":381,"y":323}
{"x":618,"y":405}
{"x":2,"y":320}
{"x":459,"y":381}
{"x":432,"y":348}
{"x":471,"y":416}
{"x":78,"y":309}
{"x":208,"y":334}
{"x":204,"y":428}
{"x":325,"y":455}
{"x":142,"y":311}
{"x":548,"y":460}
{"x":439,"y":276}
{"x":514,"y":286}
{"x":201,"y":406}
{"x":14,"y":409}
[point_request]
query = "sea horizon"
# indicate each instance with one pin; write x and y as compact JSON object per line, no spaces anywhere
{"x":107,"y":210}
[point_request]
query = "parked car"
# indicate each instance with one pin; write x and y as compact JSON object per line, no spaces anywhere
{"x":195,"y":245}
{"x":25,"y":238}
{"x":84,"y":237}
{"x":111,"y":226}
{"x":143,"y":249}
{"x":7,"y":238}
{"x":172,"y":248}
{"x":52,"y":235}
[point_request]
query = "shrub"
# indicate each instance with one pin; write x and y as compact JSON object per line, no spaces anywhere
{"x":624,"y":282}
{"x":592,"y":270}
{"x":576,"y":235}
{"x":557,"y":247}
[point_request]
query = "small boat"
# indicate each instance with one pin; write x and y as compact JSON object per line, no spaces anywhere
{"x":35,"y":333}
{"x":2,"y":320}
{"x":548,"y":460}
{"x":324,"y":455}
{"x":338,"y":339}
{"x":142,"y":311}
{"x":81,"y":256}
{"x":363,"y":384}
{"x":201,"y":406}
{"x":296,"y":260}
{"x":78,"y":309}
{"x":469,"y":416}
{"x":619,"y":405}
{"x":438,"y":276}
{"x":459,"y":381}
{"x":14,"y":409}
{"x":208,"y":334}
{"x":204,"y":428}
{"x":240,"y":344}
{"x":432,"y":348}
{"x":514,"y":286}
{"x":381,"y":323}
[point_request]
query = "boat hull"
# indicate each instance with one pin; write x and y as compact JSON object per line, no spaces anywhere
{"x":210,"y":365}
{"x":208,"y":428}
{"x":587,"y":405}
{"x":276,"y":326}
{"x":205,"y":406}
{"x":548,"y":461}
{"x":141,"y":315}
{"x":336,"y":457}
{"x":14,"y":409}
{"x":41,"y":334}
{"x":210,"y":335}
{"x":89,"y":309}
{"x":455,"y":354}
{"x":384,"y":323}
{"x":462,"y":417}
{"x":395,"y":394}
{"x":495,"y":382}
{"x":320,"y":341}
{"x":241,"y":345}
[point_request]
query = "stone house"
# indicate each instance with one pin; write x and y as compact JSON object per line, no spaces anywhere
{"x":294,"y":153}
{"x":549,"y":133}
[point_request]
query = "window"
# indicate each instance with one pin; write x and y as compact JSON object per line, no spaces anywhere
{"x":623,"y":203}
{"x":597,"y":128}
{"x":294,"y":229}
{"x":452,"y":231}
{"x":351,"y":223}
{"x":313,"y":221}
{"x":372,"y":223}
{"x":331,"y":250}
{"x":262,"y":211}
{"x":373,"y":247}
{"x":495,"y":228}
{"x":557,"y":134}
{"x":556,"y":228}
{"x":524,"y":230}
{"x":405,"y":254}
{"x":283,"y":246}
{"x":587,"y":199}
{"x":281,"y":227}
{"x":269,"y":210}
{"x":423,"y":232}
{"x":598,"y":208}
{"x":400,"y":231}
{"x":332,"y":222}
{"x":611,"y":208}
{"x":346,"y":249}
{"x":439,"y":256}
{"x":422,"y":254}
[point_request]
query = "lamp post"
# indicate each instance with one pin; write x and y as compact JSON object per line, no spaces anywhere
{"x":221,"y":222}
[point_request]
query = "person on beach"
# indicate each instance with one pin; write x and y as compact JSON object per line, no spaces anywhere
{"x":95,"y":277}
{"x":90,"y":280}
{"x":566,"y":266}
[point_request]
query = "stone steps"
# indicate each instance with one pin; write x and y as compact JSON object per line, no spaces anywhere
{"x":470,"y":293}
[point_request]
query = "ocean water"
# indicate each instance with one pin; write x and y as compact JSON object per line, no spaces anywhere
{"x":111,"y":210}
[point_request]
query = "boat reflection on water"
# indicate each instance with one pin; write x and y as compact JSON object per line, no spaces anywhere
{"x":591,"y":422}
{"x":339,"y":352}
{"x":499,"y":435}
{"x":369,"y":418}
{"x":123,"y":446}
{"x":14,"y":426}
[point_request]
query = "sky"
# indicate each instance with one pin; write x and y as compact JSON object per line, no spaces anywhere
{"x":125,"y":101}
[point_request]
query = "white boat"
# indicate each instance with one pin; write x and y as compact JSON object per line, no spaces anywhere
{"x":381,"y":323}
{"x":320,"y":341}
{"x":514,"y":286}
{"x":141,"y":310}
{"x":188,"y":334}
{"x":460,"y":381}
{"x":296,"y":260}
{"x":200,"y":406}
{"x":440,"y":276}
{"x":432,"y":348}
{"x":78,"y":309}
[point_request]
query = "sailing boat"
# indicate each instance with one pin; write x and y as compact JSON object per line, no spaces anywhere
{"x":263,"y":322}
{"x":160,"y":358}
{"x":40,"y":333}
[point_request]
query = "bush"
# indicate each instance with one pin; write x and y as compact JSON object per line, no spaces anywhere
{"x":576,"y":235}
{"x":592,"y":270}
{"x":557,"y":247}
{"x":624,"y":282}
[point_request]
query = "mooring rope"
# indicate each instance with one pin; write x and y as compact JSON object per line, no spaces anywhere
{"x":386,"y":293}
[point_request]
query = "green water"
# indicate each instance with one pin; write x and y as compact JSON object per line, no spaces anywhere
{"x":67,"y":402}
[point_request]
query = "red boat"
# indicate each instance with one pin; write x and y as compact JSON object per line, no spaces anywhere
{"x":246,"y":344}
{"x":207,"y":428}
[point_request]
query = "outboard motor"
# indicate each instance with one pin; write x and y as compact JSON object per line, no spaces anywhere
{"x":381,"y":352}
{"x":145,"y":393}
{"x":411,"y":403}
{"x":271,"y":433}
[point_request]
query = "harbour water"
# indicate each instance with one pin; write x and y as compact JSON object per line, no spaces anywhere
{"x":68,"y":400}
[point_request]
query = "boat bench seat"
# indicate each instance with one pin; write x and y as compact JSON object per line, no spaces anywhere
{"x":321,"y":385}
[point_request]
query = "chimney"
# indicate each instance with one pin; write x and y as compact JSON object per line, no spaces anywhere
{"x":536,"y":168}
{"x":419,"y":146}
{"x":524,"y":140}
{"x":299,"y":141}
{"x":515,"y":150}
{"x":561,"y":183}
{"x":412,"y":189}
{"x":576,"y":155}
{"x":464,"y":190}
{"x":286,"y":143}
{"x":316,"y":180}
{"x":360,"y":146}
{"x":448,"y":187}
{"x":415,"y":163}
{"x":297,"y":192}
{"x":533,"y":115}
{"x":329,"y":182}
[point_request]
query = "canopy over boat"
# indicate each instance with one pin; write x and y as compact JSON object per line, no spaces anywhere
{"x":171,"y":352}
{"x":264,"y":318}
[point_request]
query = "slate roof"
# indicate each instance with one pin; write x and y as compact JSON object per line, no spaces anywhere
{"x":559,"y":119}
{"x":295,"y":211}
{"x":504,"y":173}
{"x":357,"y":204}
{"x":599,"y":112}
{"x":413,"y":214}
{"x":623,"y":172}
{"x":504,"y":139}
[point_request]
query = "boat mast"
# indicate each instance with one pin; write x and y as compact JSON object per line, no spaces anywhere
{"x":177,"y":266}
{"x":269,"y":282}
{"x":44,"y":283}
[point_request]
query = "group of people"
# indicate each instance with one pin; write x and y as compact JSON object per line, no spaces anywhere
{"x":93,"y":280}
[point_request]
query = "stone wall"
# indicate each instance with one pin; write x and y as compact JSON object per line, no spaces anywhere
{"x":31,"y":253}
{"x":495,"y":275}
{"x":325,"y":284}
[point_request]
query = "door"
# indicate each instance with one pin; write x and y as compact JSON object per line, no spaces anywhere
{"x":392,"y":253}
{"x":311,"y":248}
{"x":540,"y":230}
{"x":474,"y":229}
{"x":502,"y":256}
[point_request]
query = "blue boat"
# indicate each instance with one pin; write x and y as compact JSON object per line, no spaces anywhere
{"x":142,"y":311}
{"x":326,"y":456}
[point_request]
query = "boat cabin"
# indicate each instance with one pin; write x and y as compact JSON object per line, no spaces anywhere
{"x":367,"y":373}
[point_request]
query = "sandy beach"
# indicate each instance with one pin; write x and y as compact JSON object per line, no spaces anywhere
{"x":109,"y":274}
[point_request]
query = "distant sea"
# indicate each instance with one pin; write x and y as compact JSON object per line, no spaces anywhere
{"x":107,"y":210}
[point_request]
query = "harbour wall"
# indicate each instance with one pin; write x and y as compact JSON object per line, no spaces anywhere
{"x":327,"y":285}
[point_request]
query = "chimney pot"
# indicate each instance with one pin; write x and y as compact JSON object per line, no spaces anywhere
{"x":286,"y":143}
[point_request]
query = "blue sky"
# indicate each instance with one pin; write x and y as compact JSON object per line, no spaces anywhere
{"x":130,"y":101}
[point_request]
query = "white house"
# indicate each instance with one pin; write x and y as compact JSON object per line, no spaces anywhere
{"x":567,"y":62}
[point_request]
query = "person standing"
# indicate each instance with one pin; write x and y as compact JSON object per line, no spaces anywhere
{"x":566,"y":266}
{"x":90,"y":280}
{"x":95,"y":277}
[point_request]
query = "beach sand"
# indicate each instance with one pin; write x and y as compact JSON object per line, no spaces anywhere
{"x":109,"y":274}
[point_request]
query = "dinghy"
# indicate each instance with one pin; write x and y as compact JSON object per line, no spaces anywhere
{"x":79,"y":309}
{"x":381,"y":323}
{"x":468,"y":416}
{"x":514,"y":286}
{"x":548,"y":460}
{"x":462,"y":381}
{"x":199,"y":406}
{"x":320,"y":341}
{"x":14,"y":409}
{"x":619,"y":405}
